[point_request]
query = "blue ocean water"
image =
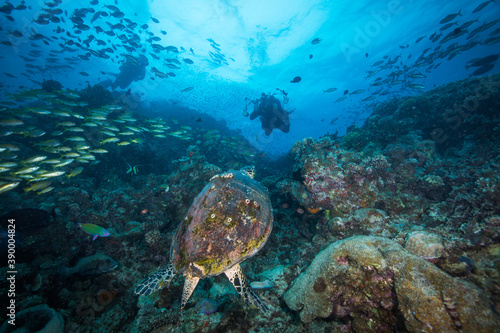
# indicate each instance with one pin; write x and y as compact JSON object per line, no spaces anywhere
{"x":363,"y":118}
{"x":263,"y":46}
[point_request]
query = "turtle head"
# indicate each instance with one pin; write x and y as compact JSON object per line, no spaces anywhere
{"x":249,"y":170}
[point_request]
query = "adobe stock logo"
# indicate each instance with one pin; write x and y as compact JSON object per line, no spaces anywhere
{"x":373,"y":28}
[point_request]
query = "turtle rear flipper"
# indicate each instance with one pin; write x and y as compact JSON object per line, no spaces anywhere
{"x":188,"y":289}
{"x":235,"y":275}
{"x":156,"y":281}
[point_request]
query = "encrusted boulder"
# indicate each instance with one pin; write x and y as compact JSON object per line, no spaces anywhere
{"x":376,"y":286}
{"x":329,"y":178}
{"x":364,"y":221}
{"x":424,"y":244}
{"x":40,"y":318}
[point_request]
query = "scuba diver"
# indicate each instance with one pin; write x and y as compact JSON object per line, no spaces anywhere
{"x":134,"y":69}
{"x":271,"y":113}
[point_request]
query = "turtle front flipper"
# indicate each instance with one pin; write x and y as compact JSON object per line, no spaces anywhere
{"x":188,"y":289}
{"x":235,"y":275}
{"x":156,"y":281}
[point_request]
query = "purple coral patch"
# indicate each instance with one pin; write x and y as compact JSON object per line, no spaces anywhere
{"x":207,"y":306}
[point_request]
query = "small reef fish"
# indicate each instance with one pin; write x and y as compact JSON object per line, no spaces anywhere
{"x":91,"y":265}
{"x":481,"y":6}
{"x":94,"y":230}
{"x":316,"y":41}
{"x":98,"y":151}
{"x":51,"y":161}
{"x":133,"y":169}
{"x":450,"y":17}
{"x":262,"y":285}
{"x":27,"y":170}
{"x":64,"y":162}
{"x":8,"y":187}
{"x":34,"y":159}
{"x":45,"y":190}
{"x":37,"y":186}
{"x":76,"y":171}
{"x":53,"y":174}
{"x":416,"y":86}
{"x":109,"y":140}
{"x":11,"y":122}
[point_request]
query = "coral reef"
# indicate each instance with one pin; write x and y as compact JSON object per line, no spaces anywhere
{"x":433,"y":196}
{"x":328,"y":178}
{"x":426,"y":245}
{"x":439,"y":114}
{"x":96,"y":96}
{"x":375,"y":285}
{"x":153,"y":238}
{"x":364,"y":221}
{"x":112,"y":320}
{"x":51,"y":85}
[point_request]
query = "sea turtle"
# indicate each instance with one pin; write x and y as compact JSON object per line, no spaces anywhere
{"x":228,"y":222}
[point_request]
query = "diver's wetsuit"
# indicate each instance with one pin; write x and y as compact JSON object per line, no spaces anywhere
{"x":129,"y":73}
{"x":272,"y":115}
